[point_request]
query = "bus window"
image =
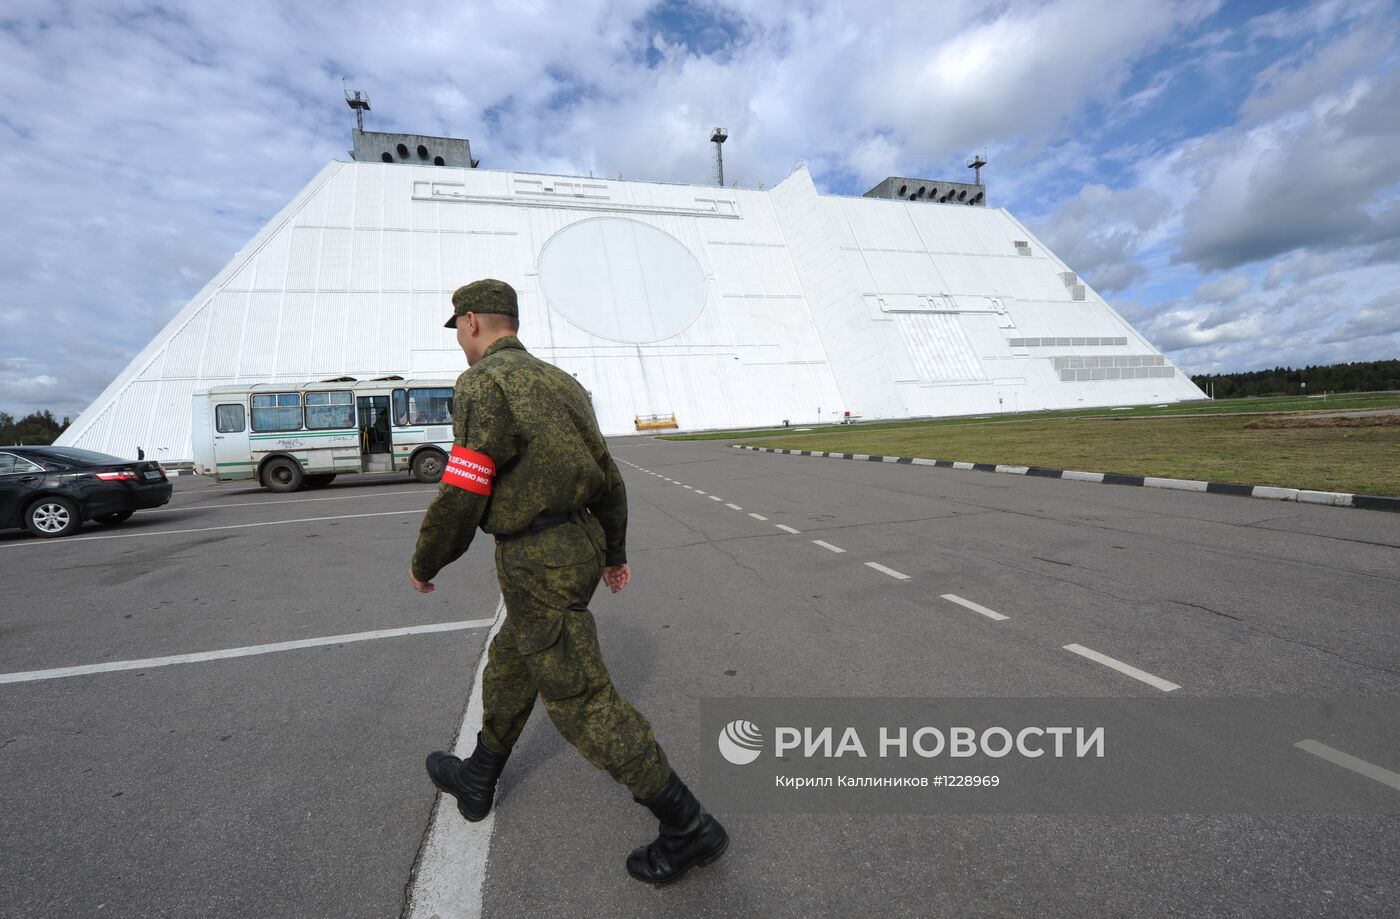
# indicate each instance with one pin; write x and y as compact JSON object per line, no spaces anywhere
{"x":400,"y":406}
{"x":430,"y":406}
{"x":327,"y":410}
{"x":279,"y":411}
{"x":228,"y":419}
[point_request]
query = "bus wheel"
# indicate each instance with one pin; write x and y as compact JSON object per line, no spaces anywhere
{"x":282,"y":475}
{"x":320,"y":479}
{"x":428,"y":466}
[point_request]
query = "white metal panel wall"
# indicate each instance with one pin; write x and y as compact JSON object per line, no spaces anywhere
{"x":353,"y":277}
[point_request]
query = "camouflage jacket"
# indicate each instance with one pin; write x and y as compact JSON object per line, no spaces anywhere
{"x":536,"y":424}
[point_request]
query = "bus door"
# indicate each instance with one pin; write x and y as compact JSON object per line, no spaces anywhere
{"x":376,"y":437}
{"x":232,"y":457}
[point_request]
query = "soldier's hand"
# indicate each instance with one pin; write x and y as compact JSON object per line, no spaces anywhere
{"x":617,"y":576}
{"x":423,"y":587}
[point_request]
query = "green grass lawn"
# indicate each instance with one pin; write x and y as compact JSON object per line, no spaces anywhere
{"x":1216,"y":449}
{"x":1221,"y":407}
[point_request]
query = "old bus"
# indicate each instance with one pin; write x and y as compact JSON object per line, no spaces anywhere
{"x":289,"y":437}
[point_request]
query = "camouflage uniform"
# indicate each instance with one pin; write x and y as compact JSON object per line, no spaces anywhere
{"x":535,"y":422}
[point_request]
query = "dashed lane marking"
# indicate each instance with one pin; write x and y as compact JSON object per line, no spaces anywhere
{"x":828,"y":546}
{"x":716,"y":498}
{"x":734,"y":506}
{"x":785,"y":527}
{"x":757,"y":516}
{"x":1347,"y":761}
{"x":975,"y":607}
{"x":898,"y":575}
{"x":1129,"y":669}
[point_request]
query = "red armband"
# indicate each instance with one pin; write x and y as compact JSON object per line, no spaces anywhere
{"x":469,"y":471}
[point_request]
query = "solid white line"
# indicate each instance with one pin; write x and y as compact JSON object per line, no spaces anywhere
{"x":784,"y":526}
{"x":735,"y":506}
{"x":276,"y":502}
{"x":975,"y":607}
{"x":30,"y":676}
{"x":451,"y":872}
{"x":1347,"y":761}
{"x":231,"y":526}
{"x":890,"y":571}
{"x":827,"y":545}
{"x":716,"y":498}
{"x":1129,"y":669}
{"x":757,"y":516}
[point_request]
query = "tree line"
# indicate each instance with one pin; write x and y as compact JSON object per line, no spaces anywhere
{"x":1361,"y":376}
{"x":36,"y":428}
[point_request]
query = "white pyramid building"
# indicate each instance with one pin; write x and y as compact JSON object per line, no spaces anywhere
{"x":721,"y":307}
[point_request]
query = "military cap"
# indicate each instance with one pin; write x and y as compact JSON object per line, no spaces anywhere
{"x":485,"y":296}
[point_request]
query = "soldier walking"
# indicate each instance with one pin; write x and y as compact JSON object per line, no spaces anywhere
{"x":530,"y":467}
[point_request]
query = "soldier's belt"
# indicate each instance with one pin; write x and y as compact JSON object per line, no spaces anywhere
{"x":542,"y":522}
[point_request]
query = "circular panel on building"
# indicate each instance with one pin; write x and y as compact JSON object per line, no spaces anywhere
{"x":622,"y":280}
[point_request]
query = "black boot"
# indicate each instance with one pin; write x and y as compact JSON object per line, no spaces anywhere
{"x":471,"y":781}
{"x":689,"y":836}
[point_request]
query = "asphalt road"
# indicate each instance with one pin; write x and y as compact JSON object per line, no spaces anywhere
{"x":289,"y":783}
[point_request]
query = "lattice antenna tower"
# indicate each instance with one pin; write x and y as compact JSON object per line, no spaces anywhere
{"x":358,"y":101}
{"x":975,"y":164}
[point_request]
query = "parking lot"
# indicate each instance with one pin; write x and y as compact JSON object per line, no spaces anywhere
{"x":276,"y":768}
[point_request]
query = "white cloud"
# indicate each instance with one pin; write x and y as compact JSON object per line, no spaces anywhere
{"x":141,"y":145}
{"x":1224,"y":289}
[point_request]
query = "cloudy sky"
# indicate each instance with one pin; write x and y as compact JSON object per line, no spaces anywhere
{"x":1227,"y":174}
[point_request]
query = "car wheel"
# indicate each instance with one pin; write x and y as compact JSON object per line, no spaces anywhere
{"x":111,"y":519}
{"x":320,"y":479}
{"x":283,"y":475}
{"x":50,"y":517}
{"x":428,"y":467}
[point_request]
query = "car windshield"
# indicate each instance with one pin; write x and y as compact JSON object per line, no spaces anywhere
{"x":72,"y":456}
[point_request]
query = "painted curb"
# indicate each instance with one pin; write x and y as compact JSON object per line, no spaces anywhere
{"x":1270,"y":492}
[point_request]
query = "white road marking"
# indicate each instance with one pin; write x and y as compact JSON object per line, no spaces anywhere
{"x":699,"y":492}
{"x":975,"y":607}
{"x":784,"y":526}
{"x":757,"y":516}
{"x":1347,"y":761}
{"x":451,"y":871}
{"x":275,"y":502}
{"x":690,"y":488}
{"x":890,"y":571}
{"x":230,"y":526}
{"x":735,"y":506}
{"x":1129,"y":669}
{"x":30,"y":676}
{"x":826,"y":545}
{"x":716,"y":498}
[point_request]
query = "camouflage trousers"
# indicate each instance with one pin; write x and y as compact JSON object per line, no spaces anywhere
{"x":548,"y":646}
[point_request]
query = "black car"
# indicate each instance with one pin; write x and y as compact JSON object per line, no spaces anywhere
{"x":51,"y":490}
